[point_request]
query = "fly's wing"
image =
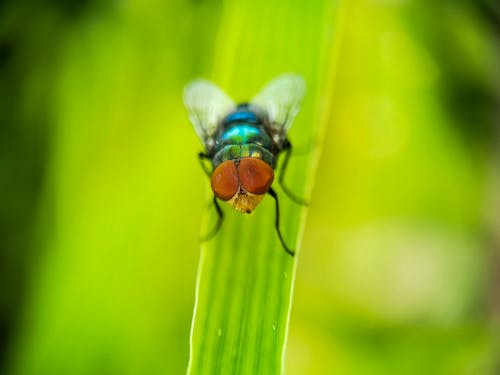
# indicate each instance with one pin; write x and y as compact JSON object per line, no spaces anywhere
{"x":206,"y":104}
{"x":280,"y":100}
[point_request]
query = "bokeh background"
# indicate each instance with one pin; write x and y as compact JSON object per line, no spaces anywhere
{"x":101,"y":195}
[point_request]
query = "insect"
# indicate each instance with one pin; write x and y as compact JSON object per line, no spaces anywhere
{"x":243,"y":141}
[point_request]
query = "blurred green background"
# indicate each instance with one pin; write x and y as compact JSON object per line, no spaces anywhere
{"x":101,"y":194}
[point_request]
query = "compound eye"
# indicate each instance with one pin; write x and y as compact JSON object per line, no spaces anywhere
{"x":256,"y":176}
{"x":224,"y":180}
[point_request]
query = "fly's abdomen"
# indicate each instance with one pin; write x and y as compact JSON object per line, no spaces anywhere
{"x":245,"y":134}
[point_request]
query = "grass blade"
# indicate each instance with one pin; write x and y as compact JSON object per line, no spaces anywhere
{"x":245,"y":278}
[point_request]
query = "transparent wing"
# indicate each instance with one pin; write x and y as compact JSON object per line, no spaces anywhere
{"x":280,"y":99}
{"x":206,"y":104}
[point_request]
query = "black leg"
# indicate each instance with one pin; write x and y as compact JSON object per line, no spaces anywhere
{"x":287,"y":150}
{"x":273,"y":194}
{"x":220,"y":217}
{"x":201,"y":158}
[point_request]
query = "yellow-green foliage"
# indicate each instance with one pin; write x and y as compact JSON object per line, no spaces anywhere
{"x":396,"y":258}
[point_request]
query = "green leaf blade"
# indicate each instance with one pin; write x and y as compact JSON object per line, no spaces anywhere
{"x":245,"y":277}
{"x":242,"y":304}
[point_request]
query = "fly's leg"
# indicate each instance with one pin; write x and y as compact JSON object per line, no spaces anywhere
{"x":273,"y":194}
{"x":218,"y":224}
{"x":287,"y":150}
{"x":201,"y":158}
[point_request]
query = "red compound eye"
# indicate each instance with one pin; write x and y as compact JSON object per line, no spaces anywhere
{"x":224,"y":180}
{"x":256,"y":176}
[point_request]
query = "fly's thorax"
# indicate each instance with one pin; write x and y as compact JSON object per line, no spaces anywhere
{"x":236,"y":152}
{"x":242,"y":182}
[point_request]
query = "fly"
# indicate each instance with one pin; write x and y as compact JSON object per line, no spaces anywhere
{"x":243,"y":141}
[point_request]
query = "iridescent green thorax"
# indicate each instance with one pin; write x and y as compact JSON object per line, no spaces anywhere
{"x":243,"y":135}
{"x":239,"y":151}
